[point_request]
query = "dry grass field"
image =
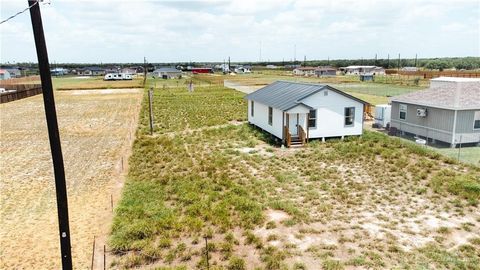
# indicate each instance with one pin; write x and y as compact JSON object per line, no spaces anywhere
{"x":363,"y":203}
{"x":96,"y":128}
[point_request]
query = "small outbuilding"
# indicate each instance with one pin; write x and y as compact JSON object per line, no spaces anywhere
{"x":295,"y":112}
{"x":167,"y":73}
{"x":448,"y":111}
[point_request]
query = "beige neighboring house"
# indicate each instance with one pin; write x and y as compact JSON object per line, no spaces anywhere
{"x":304,"y":71}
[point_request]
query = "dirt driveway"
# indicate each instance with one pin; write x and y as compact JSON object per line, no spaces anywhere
{"x":97,"y":128}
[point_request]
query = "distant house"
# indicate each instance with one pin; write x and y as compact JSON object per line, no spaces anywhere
{"x":304,"y":71}
{"x":295,"y":112}
{"x":271,"y":67}
{"x":130,"y":71}
{"x":167,"y":73}
{"x":58,"y":71}
{"x":449,"y":111}
{"x":112,"y":70}
{"x":325,"y":71}
{"x":139,"y":70}
{"x":409,"y":69}
{"x":4,"y":74}
{"x":364,"y":70}
{"x":243,"y":69}
{"x":14,"y":72}
{"x":91,"y":71}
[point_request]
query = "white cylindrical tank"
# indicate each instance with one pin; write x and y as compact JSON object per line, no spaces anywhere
{"x":383,"y":115}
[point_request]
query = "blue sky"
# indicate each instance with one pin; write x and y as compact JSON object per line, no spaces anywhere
{"x":88,"y":31}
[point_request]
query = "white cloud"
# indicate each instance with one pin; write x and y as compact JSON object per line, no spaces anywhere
{"x":211,"y":30}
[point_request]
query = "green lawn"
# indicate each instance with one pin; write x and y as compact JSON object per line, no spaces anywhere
{"x":467,"y":154}
{"x":377,"y":89}
{"x":265,"y":207}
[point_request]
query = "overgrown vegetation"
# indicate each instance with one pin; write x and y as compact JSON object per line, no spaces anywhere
{"x":369,"y":196}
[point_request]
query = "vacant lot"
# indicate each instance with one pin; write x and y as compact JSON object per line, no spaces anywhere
{"x":370,"y":202}
{"x":96,"y":128}
{"x":372,"y":92}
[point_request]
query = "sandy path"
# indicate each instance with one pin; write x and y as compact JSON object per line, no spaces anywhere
{"x":242,"y":88}
{"x":97,"y":129}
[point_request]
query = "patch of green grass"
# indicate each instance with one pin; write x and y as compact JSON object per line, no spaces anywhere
{"x":189,"y":181}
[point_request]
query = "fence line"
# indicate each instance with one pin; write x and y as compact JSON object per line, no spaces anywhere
{"x":429,"y":74}
{"x":19,"y":91}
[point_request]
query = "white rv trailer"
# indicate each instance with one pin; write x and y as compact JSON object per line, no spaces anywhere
{"x":117,"y":76}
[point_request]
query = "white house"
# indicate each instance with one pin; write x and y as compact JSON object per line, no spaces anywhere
{"x":4,"y":74}
{"x":304,"y":71}
{"x":364,"y":70}
{"x":296,"y":112}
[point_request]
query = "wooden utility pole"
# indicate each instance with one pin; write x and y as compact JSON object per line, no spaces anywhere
{"x":150,"y":107}
{"x":398,"y":64}
{"x":304,"y":60}
{"x":415,"y":60}
{"x":53,"y":134}
{"x":144,"y":71}
{"x":206,"y":252}
{"x":388,"y":61}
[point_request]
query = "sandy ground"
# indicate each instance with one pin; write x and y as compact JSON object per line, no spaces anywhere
{"x":97,"y":129}
{"x":242,"y":88}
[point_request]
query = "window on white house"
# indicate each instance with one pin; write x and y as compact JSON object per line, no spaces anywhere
{"x":476,"y":120}
{"x":349,"y":116}
{"x":252,"y":108}
{"x":325,"y":93}
{"x":270,"y":115}
{"x":403,"y":111}
{"x":312,"y":119}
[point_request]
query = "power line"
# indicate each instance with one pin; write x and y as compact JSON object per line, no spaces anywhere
{"x":20,"y":12}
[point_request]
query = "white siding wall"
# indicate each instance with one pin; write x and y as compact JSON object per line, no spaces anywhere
{"x":330,"y":115}
{"x":260,"y":119}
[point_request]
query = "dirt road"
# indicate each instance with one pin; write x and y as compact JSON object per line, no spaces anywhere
{"x":242,"y":88}
{"x":97,"y":129}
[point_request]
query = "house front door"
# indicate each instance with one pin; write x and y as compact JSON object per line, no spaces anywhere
{"x":293,"y":123}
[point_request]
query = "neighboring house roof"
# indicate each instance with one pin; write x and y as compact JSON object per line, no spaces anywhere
{"x":326,"y":69}
{"x":91,"y":69}
{"x":306,"y":68}
{"x":452,"y":96}
{"x":285,"y":95}
{"x":166,"y":69}
{"x":3,"y":71}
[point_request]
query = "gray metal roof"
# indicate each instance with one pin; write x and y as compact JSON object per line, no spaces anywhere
{"x":284,"y":95}
{"x":452,"y":96}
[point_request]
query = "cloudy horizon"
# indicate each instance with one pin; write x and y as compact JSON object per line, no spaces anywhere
{"x":212,"y":30}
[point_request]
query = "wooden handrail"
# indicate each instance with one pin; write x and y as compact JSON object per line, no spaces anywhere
{"x":288,"y":137}
{"x":302,"y":134}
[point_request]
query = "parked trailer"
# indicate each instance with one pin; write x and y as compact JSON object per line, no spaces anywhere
{"x":117,"y":77}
